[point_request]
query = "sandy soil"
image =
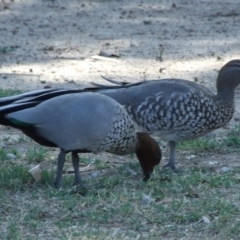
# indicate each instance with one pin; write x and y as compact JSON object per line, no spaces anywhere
{"x":59,"y":43}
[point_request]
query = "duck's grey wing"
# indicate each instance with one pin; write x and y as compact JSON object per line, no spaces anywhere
{"x":48,"y":95}
{"x":135,"y":93}
{"x":68,"y":121}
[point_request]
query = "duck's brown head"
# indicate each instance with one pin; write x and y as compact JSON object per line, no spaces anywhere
{"x":148,"y":153}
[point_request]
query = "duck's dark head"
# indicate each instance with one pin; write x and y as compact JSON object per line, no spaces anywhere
{"x":229,"y":77}
{"x":148,"y":153}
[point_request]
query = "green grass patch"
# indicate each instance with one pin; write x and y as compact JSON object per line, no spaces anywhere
{"x":36,"y":154}
{"x":120,"y":206}
{"x":9,"y":92}
{"x":229,"y":143}
{"x":3,"y":154}
{"x":5,"y":50}
{"x":203,"y":144}
{"x":232,"y":140}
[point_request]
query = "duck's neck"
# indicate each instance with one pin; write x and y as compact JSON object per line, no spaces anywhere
{"x":225,"y":105}
{"x":227,"y":81}
{"x":226,"y":96}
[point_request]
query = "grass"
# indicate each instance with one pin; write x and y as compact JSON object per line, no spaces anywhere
{"x":198,"y":203}
{"x":8,"y":92}
{"x":36,"y":154}
{"x":229,"y":143}
{"x":5,"y":50}
{"x":114,"y":208}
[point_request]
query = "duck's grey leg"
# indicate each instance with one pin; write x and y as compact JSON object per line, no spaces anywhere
{"x":171,"y":162}
{"x":75,"y":163}
{"x":61,"y":161}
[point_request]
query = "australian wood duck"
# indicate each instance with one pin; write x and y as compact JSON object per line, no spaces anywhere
{"x":178,"y":109}
{"x":80,"y":123}
{"x":175,"y":109}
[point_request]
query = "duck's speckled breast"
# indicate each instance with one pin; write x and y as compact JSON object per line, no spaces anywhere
{"x":122,"y":138}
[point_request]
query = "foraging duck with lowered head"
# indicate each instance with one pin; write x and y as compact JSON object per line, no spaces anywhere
{"x":80,"y":123}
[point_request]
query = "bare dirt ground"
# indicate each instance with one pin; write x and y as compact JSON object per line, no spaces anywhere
{"x":58,"y":43}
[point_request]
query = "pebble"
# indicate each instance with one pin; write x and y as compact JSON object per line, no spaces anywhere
{"x":95,"y":174}
{"x":225,"y":169}
{"x":147,"y":22}
{"x":2,"y":145}
{"x":12,"y":141}
{"x":147,"y":199}
{"x":10,"y":156}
